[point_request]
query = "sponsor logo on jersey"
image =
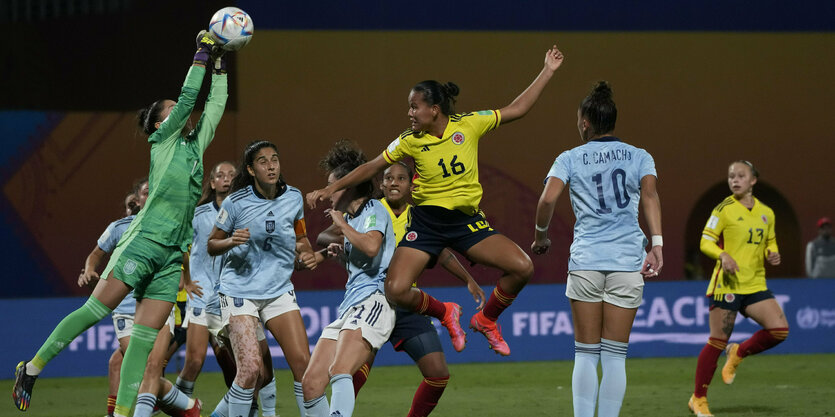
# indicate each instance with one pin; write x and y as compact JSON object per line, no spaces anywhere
{"x":411,"y":236}
{"x":393,"y":145}
{"x":370,"y":221}
{"x":729,"y":298}
{"x":457,"y":138}
{"x":270,"y":214}
{"x":270,"y":226}
{"x":740,"y":219}
{"x":712,"y":222}
{"x":484,"y":112}
{"x":765,"y":219}
{"x":129,"y":267}
{"x":424,"y":148}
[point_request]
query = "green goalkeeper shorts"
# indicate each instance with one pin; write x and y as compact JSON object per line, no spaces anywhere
{"x":151,"y":269}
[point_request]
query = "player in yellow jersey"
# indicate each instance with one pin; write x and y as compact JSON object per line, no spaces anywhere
{"x":444,"y":145}
{"x":745,"y":228}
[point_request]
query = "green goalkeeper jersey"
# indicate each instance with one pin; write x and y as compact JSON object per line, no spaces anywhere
{"x":176,"y":176}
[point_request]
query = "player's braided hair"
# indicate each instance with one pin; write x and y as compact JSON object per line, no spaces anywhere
{"x":242,"y":178}
{"x":344,"y":157}
{"x":148,"y":117}
{"x":599,"y":109}
{"x":441,"y":94}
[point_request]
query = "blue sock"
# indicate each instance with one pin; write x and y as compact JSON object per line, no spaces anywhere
{"x":176,"y":399}
{"x":186,"y":387}
{"x":613,"y":383}
{"x":240,"y":400}
{"x":267,"y":397}
{"x":222,"y":409}
{"x":317,"y":407}
{"x":342,"y":395}
{"x":297,"y":389}
{"x":584,"y":378}
{"x":145,"y":403}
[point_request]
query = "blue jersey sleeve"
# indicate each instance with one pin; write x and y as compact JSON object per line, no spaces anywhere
{"x":108,"y":240}
{"x":225,"y":219}
{"x":377,"y":219}
{"x":561,"y":168}
{"x":647,"y":166}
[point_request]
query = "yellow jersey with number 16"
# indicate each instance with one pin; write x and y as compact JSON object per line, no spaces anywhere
{"x":747,"y":236}
{"x":447,"y":167}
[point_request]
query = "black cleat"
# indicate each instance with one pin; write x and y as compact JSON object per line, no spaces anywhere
{"x":23,"y":385}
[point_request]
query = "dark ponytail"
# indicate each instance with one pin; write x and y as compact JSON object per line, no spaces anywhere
{"x":441,"y":94}
{"x":148,"y":117}
{"x":599,"y":109}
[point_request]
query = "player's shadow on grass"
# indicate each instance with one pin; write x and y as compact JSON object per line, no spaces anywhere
{"x":754,"y":410}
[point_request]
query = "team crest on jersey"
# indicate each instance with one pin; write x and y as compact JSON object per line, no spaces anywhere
{"x":270,"y":226}
{"x":765,"y":219}
{"x":130,"y":267}
{"x":729,"y":298}
{"x":457,"y":138}
{"x":411,"y":236}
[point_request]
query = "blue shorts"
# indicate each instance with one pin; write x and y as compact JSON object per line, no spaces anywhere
{"x":432,"y":228}
{"x":415,"y":334}
{"x":738,"y":302}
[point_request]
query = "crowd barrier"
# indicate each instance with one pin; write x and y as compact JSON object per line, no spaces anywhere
{"x":672,"y":321}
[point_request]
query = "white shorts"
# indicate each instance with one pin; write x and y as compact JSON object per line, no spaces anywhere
{"x":123,"y":323}
{"x":199,"y":316}
{"x":622,"y":289}
{"x":264,"y":310}
{"x":374,"y":316}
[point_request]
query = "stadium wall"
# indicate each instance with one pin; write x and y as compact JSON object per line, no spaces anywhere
{"x":672,"y":321}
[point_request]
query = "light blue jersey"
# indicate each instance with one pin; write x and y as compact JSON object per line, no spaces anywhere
{"x":366,"y":275}
{"x":107,"y":243}
{"x":260,"y":269}
{"x":604,"y":179}
{"x":203,"y":268}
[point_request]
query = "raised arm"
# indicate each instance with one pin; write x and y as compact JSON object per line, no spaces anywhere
{"x":544,"y":212}
{"x":362,"y":173}
{"x":523,"y":103}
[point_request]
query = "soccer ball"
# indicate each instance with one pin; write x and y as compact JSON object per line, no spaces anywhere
{"x":232,"y":28}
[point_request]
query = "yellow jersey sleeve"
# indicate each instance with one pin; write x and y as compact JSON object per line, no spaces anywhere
{"x":399,"y":148}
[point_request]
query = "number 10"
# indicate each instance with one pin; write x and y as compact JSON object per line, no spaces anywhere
{"x":621,"y":200}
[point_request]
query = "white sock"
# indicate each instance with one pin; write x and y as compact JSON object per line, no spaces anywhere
{"x":342,"y":395}
{"x":613,"y":383}
{"x":31,"y":369}
{"x":240,"y":400}
{"x":145,"y":403}
{"x":267,"y":397}
{"x":185,"y":386}
{"x":297,"y":389}
{"x":584,"y":378}
{"x":177,"y":399}
{"x":317,"y":407}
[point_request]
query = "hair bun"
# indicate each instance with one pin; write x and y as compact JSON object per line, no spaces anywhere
{"x":451,"y":89}
{"x":602,"y":90}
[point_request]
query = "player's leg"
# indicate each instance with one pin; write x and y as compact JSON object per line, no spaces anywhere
{"x":360,"y":377}
{"x":426,"y":350}
{"x":226,"y":360}
{"x":351,"y":352}
{"x":244,"y":340}
{"x":267,"y":394}
{"x":721,"y":321}
{"x":149,"y":388}
{"x":113,"y":367}
{"x":283,"y":319}
{"x":197,"y":341}
{"x":588,"y":324}
{"x":315,"y":378}
{"x":767,"y":313}
{"x":622,"y":296}
{"x":106,"y":296}
{"x":499,"y":252}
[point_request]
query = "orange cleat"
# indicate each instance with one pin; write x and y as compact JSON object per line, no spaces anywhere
{"x":452,"y":323}
{"x":492,"y":332}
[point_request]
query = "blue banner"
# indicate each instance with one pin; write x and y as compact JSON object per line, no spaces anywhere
{"x":672,"y":321}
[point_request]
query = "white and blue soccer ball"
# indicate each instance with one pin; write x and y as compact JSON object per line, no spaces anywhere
{"x":232,"y":28}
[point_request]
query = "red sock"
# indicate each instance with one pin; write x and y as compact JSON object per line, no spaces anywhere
{"x":430,"y":306}
{"x":427,"y":396}
{"x":360,"y":377}
{"x":111,"y":404}
{"x":499,"y":300}
{"x":762,"y":340}
{"x":706,"y":365}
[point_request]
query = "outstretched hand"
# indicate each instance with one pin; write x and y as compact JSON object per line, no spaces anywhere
{"x":553,"y":58}
{"x":316,"y":196}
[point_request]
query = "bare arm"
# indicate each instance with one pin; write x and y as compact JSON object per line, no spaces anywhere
{"x":362,"y":173}
{"x":88,"y":274}
{"x":186,"y":283}
{"x":330,"y":235}
{"x":450,"y":262}
{"x":306,"y":257}
{"x":220,"y":242}
{"x":544,"y":212}
{"x":523,"y":103}
{"x":651,"y":207}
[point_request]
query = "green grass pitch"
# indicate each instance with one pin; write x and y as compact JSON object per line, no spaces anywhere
{"x":766,"y":385}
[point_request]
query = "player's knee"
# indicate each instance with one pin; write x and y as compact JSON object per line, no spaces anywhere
{"x":522,"y":268}
{"x":395,"y":292}
{"x":313,"y":386}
